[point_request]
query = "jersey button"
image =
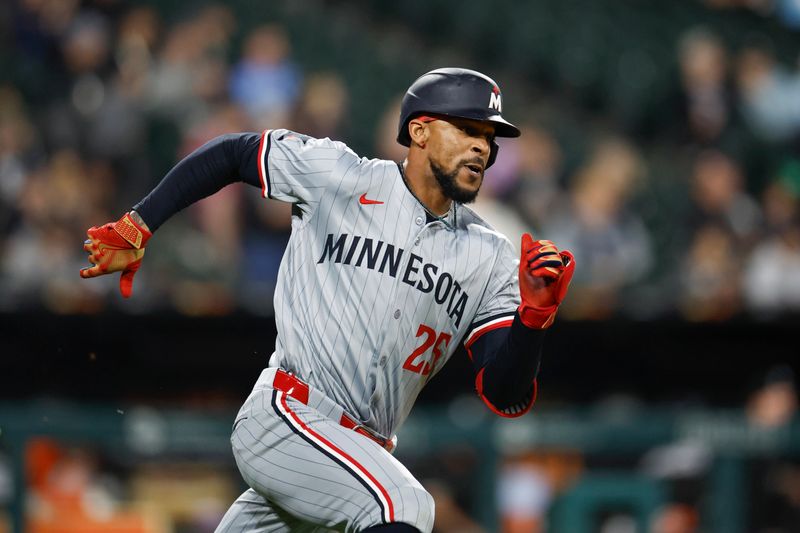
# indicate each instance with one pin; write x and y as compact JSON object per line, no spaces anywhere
{"x":382,"y":361}
{"x":397,"y":313}
{"x":418,"y":221}
{"x":416,"y":241}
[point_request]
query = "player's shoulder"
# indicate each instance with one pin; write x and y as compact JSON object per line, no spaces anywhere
{"x":308,"y":143}
{"x":351,"y":166}
{"x":476,"y":226}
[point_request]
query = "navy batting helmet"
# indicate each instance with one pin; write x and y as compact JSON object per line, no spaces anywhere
{"x":455,"y":92}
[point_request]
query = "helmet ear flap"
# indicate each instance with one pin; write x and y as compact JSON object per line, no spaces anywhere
{"x":492,"y":154}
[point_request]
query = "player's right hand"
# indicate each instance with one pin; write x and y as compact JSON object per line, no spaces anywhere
{"x":544,"y":276}
{"x":116,"y":247}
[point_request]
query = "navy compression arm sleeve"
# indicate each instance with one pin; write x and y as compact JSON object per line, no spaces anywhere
{"x":507,"y":361}
{"x":219,"y":162}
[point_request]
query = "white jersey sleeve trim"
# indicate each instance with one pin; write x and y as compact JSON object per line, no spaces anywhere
{"x":503,"y":321}
{"x":263,"y":173}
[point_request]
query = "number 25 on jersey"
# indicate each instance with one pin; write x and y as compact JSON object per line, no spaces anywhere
{"x":417,"y":362}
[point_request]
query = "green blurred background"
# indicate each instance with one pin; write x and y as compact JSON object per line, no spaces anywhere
{"x":661,"y":144}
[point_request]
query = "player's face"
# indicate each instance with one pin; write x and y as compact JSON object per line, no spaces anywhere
{"x":459,"y":151}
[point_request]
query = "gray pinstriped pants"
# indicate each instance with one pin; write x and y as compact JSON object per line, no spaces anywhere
{"x":308,"y":473}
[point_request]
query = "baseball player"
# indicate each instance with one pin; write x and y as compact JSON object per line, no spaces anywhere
{"x":386,"y":275}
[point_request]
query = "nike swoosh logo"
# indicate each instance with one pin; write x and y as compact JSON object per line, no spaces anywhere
{"x":363,"y":200}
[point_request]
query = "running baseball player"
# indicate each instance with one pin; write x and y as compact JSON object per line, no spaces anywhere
{"x":386,"y":275}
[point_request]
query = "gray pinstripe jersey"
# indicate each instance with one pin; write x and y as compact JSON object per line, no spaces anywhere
{"x":372,"y":298}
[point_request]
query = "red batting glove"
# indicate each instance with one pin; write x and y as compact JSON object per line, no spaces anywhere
{"x":116,"y":247}
{"x":544,"y":276}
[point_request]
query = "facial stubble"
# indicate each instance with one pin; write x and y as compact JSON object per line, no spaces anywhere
{"x":447,"y":181}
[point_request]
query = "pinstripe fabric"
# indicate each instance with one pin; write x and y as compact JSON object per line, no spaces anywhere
{"x":317,"y":474}
{"x":251,"y":512}
{"x":348,"y":326}
{"x":372,"y":300}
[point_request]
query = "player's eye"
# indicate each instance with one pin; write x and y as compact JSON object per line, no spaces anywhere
{"x":471,"y":131}
{"x":475,"y":132}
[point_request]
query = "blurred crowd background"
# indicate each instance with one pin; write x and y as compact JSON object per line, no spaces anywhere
{"x":660,"y":141}
{"x":661,"y":144}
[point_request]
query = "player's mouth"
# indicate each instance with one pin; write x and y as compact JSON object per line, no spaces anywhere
{"x":475,"y":169}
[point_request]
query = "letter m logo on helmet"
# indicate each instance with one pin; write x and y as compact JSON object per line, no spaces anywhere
{"x":457,"y":93}
{"x":494,"y":100}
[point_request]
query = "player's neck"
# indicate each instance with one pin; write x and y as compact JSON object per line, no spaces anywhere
{"x":424,"y":186}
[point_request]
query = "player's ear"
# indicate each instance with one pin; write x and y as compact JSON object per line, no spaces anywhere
{"x":419,"y":132}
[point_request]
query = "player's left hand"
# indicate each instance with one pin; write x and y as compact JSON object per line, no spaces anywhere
{"x":116,"y":247}
{"x":544,"y":276}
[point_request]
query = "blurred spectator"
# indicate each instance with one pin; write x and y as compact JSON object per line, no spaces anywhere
{"x":524,"y":495}
{"x":504,"y":174}
{"x":68,"y":492}
{"x":538,"y":192}
{"x":772,"y":407}
{"x":774,"y":403}
{"x":772,"y":271}
{"x":322,"y":107}
{"x":38,"y":27}
{"x":498,"y":215}
{"x":611,"y":244}
{"x":78,"y":99}
{"x":528,"y":486}
{"x":171,"y":81}
{"x":711,"y":275}
{"x":40,"y":256}
{"x":724,"y":223}
{"x":217,"y":24}
{"x":191,"y":70}
{"x":781,"y":198}
{"x":706,"y":102}
{"x":499,"y":180}
{"x":18,"y":154}
{"x":265,"y":81}
{"x":137,"y":38}
{"x":769,"y":94}
{"x":386,"y":145}
{"x":139,"y":28}
{"x":718,"y":197}
{"x":772,"y":275}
